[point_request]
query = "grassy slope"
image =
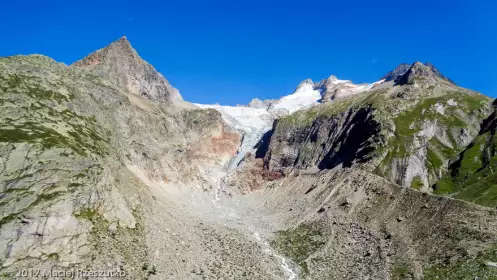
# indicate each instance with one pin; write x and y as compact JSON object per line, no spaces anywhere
{"x":402,"y":118}
{"x":38,"y":113}
{"x":472,"y":176}
{"x":470,"y":268}
{"x":299,"y":243}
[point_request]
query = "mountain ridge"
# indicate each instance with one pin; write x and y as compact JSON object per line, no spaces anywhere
{"x":103,"y":167}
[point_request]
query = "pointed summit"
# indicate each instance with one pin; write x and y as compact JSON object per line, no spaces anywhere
{"x":120,"y":49}
{"x":307,"y":81}
{"x":397,"y":72}
{"x":422,"y":73}
{"x":123,"y":44}
{"x":121,"y":65}
{"x":331,"y":79}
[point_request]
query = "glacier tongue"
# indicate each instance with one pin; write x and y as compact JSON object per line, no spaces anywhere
{"x":243,"y":118}
{"x":249,"y":141}
{"x":251,"y":122}
{"x":254,"y":122}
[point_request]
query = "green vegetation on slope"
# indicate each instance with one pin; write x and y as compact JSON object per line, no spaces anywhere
{"x":455,"y":118}
{"x":36,"y":115}
{"x":482,"y":266}
{"x":401,"y":270}
{"x":472,"y":177}
{"x":479,"y":267}
{"x":407,"y":118}
{"x":299,"y":243}
{"x":46,"y":124}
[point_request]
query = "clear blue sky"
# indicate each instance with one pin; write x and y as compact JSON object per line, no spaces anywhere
{"x":232,"y":51}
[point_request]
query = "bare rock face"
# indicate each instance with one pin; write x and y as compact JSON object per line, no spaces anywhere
{"x":329,"y":89}
{"x":261,"y":104}
{"x":422,"y":73}
{"x":406,"y":133}
{"x":333,"y":91}
{"x":214,"y":138}
{"x":344,"y":139}
{"x":397,"y":72}
{"x":120,"y":64}
{"x":80,"y":150}
{"x":332,"y":88}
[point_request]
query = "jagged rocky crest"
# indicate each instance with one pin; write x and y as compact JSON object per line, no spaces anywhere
{"x":417,"y":72}
{"x":397,"y":72}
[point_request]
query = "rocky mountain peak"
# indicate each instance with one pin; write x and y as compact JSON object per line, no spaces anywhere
{"x":331,"y":78}
{"x":397,"y":72}
{"x":307,"y":81}
{"x":259,"y":104}
{"x":120,"y":50}
{"x":424,"y":73}
{"x":121,"y":64}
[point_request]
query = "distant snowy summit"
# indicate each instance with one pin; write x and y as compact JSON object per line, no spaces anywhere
{"x":333,"y":88}
{"x":309,"y":93}
{"x":257,"y":118}
{"x":259,"y":115}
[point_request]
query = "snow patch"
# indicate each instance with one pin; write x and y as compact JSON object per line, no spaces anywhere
{"x":305,"y":96}
{"x":451,"y":102}
{"x":243,"y":118}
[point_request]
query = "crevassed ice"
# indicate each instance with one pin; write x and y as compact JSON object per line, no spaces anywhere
{"x":251,"y":122}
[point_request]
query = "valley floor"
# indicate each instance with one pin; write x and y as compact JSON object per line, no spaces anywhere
{"x":338,"y":224}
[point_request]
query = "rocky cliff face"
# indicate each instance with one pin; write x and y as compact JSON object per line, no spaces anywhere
{"x":326,"y":141}
{"x":333,"y":88}
{"x":104,"y":167}
{"x":424,"y":73}
{"x":397,"y":72}
{"x":123,"y":67}
{"x":404,"y":132}
{"x":78,"y":145}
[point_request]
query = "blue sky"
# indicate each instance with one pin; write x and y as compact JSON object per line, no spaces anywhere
{"x":232,"y":51}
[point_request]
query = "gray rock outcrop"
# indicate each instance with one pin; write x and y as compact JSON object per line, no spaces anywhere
{"x":122,"y":66}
